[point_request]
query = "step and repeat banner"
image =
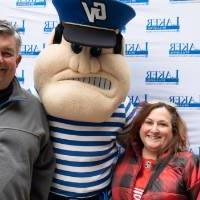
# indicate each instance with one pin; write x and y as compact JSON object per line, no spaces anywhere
{"x":162,"y":46}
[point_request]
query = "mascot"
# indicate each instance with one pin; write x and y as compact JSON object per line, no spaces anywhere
{"x":82,"y":80}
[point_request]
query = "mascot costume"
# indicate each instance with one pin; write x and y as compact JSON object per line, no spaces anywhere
{"x":82,"y":80}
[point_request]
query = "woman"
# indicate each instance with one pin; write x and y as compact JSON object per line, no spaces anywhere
{"x":156,"y":164}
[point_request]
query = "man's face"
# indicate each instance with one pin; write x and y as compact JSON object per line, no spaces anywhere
{"x":9,"y":60}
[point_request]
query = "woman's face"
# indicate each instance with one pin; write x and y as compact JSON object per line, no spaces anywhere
{"x":156,"y":131}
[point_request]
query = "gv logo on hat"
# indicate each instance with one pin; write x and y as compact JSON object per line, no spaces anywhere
{"x":98,"y":11}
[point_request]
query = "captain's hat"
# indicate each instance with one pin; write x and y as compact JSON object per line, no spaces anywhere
{"x":93,"y":23}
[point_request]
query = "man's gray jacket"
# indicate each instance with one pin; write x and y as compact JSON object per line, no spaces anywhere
{"x":26,"y":157}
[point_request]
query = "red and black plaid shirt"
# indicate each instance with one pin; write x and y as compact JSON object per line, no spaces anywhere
{"x":179,"y":179}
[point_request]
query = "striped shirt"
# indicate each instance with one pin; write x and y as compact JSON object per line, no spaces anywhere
{"x":85,"y":152}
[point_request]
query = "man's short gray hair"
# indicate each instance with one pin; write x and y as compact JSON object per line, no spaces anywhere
{"x":7,"y":28}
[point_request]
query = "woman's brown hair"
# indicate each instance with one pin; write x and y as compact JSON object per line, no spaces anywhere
{"x":179,"y":141}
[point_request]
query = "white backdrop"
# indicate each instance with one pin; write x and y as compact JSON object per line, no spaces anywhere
{"x":162,"y":45}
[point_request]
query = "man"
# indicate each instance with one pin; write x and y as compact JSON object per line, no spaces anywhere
{"x":26,"y":158}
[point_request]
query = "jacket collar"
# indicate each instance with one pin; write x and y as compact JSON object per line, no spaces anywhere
{"x":16,"y":95}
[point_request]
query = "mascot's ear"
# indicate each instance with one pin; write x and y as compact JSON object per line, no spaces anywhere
{"x":118,"y":49}
{"x":58,"y":34}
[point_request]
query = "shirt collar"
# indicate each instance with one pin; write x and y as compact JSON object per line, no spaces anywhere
{"x":16,"y":94}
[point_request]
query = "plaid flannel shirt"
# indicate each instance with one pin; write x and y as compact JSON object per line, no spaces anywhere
{"x":179,"y":179}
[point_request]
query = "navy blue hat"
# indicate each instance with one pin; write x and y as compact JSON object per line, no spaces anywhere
{"x":93,"y":22}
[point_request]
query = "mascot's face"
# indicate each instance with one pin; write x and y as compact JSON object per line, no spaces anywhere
{"x":79,"y":86}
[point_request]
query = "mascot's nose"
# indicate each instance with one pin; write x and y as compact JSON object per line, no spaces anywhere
{"x":87,"y":62}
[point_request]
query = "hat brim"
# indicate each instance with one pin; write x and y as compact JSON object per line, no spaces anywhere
{"x":87,"y":36}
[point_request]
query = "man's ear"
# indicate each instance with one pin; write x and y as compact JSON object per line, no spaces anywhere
{"x":18,"y":59}
{"x":58,"y":34}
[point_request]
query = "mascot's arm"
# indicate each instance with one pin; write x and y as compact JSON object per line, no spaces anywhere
{"x":129,"y":115}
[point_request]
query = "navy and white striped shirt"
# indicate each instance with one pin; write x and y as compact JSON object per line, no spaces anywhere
{"x":86,"y":152}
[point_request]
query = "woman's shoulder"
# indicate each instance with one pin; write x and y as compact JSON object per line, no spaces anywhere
{"x":186,"y":154}
{"x":185,"y":157}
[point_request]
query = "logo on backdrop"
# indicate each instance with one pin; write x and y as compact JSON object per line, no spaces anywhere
{"x":49,"y":26}
{"x":163,"y":24}
{"x":20,"y":77}
{"x":136,"y":100}
{"x":98,"y":11}
{"x":183,"y":49}
{"x":19,"y":25}
{"x":186,"y":101}
{"x":136,"y":49}
{"x":184,"y":1}
{"x":30,"y":3}
{"x":135,"y":1}
{"x":160,"y":77}
{"x":31,"y":49}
